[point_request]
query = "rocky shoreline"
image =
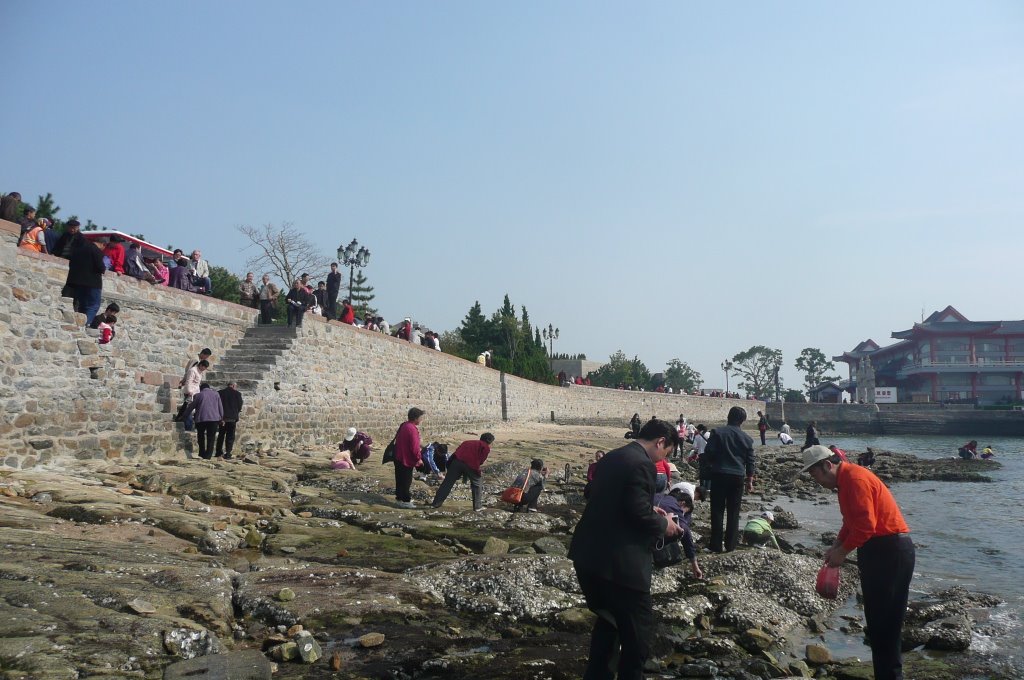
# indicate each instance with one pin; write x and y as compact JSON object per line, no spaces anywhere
{"x":277,"y":566}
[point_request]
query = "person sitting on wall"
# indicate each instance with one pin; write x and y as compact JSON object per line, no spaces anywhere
{"x":358,"y":444}
{"x":179,"y":277}
{"x":114,"y":252}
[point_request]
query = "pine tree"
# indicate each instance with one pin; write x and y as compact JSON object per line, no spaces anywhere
{"x":361,"y":296}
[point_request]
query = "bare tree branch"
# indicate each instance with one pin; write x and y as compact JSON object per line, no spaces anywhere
{"x":283,"y":251}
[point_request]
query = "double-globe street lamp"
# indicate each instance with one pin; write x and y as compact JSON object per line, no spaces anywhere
{"x":353,"y":255}
{"x":550,"y":334}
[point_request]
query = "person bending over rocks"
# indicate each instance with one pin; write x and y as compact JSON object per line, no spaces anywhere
{"x":873,"y":526}
{"x":358,"y":444}
{"x":758,"y":531}
{"x":678,"y":503}
{"x":531,"y":481}
{"x":466,"y":460}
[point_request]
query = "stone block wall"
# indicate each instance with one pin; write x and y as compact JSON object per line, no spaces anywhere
{"x":848,"y":418}
{"x":63,"y":396}
{"x":337,"y":376}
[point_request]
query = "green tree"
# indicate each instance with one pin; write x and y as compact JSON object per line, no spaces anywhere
{"x":757,"y":368}
{"x":815,"y":366}
{"x":46,"y":207}
{"x":621,"y":371}
{"x":680,"y":376}
{"x":361,"y":295}
{"x":475,"y":331}
{"x":225,"y":284}
{"x":512,"y":342}
{"x":792,"y":396}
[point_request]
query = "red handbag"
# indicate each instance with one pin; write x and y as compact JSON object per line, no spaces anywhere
{"x":514,"y":494}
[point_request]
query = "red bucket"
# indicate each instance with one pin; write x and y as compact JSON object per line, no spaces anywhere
{"x":827,"y":584}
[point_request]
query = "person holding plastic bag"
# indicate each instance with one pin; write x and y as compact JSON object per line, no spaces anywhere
{"x":873,"y":526}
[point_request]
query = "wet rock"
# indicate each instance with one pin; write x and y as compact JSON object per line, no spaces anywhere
{"x":754,"y":640}
{"x":289,"y":651}
{"x":189,"y":643}
{"x":42,"y":497}
{"x":247,"y":664}
{"x":309,"y":648}
{"x":817,"y":654}
{"x":371,"y":640}
{"x":549,"y":545}
{"x":140,"y":606}
{"x":800,"y":669}
{"x":704,"y":669}
{"x":286,"y":595}
{"x":577,"y":619}
{"x":253,"y":538}
{"x":495,"y":546}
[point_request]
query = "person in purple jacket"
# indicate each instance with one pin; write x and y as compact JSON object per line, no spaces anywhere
{"x":209,"y":411}
{"x":407,"y":456}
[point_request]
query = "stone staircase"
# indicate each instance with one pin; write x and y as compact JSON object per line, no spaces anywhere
{"x":248,"y":360}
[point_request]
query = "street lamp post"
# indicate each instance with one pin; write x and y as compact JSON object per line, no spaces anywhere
{"x":353,"y":255}
{"x":778,"y":365}
{"x":727,"y":366}
{"x":550,"y":334}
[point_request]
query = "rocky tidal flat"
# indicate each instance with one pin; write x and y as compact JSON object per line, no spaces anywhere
{"x":276,"y":566}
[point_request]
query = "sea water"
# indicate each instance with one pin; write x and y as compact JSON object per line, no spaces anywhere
{"x":969,"y":534}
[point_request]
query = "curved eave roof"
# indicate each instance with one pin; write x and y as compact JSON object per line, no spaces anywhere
{"x":950,"y":328}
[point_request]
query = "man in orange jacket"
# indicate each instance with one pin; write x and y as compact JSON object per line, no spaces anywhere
{"x":873,"y":526}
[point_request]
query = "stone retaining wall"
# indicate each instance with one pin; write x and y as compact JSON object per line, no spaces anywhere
{"x":898,"y":419}
{"x":63,"y":396}
{"x":849,"y":418}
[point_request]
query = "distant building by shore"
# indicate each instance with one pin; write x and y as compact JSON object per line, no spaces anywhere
{"x":945,"y":358}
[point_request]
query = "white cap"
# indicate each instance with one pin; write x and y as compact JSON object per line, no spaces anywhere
{"x":814,"y":454}
{"x":350,"y":434}
{"x":686,"y":487}
{"x":768,"y":515}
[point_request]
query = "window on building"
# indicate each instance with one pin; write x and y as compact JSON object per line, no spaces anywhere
{"x":952,"y":345}
{"x":997,"y":380}
{"x":954,"y":380}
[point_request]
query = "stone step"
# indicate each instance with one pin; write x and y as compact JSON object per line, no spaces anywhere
{"x":270,"y":332}
{"x":248,"y":360}
{"x":236,"y":376}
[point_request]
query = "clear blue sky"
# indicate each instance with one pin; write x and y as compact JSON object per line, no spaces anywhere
{"x":672,"y":179}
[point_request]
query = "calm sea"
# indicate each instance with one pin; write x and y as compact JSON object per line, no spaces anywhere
{"x":967,"y":534}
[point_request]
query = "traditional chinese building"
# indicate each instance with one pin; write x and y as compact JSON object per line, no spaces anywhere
{"x":946,"y":358}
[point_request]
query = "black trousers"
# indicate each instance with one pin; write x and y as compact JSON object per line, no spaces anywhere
{"x":625,"y":620}
{"x":886,"y":566}
{"x":530,"y":498}
{"x":331,"y":311}
{"x":726,"y":495}
{"x":295,"y":315}
{"x":763,"y":442}
{"x":206,"y":432}
{"x":266,"y":311}
{"x":456,"y":469}
{"x":403,"y":482}
{"x":226,"y":438}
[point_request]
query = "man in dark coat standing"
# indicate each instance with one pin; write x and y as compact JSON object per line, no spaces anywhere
{"x":728,"y":461}
{"x":85,"y":278}
{"x":333,"y":287}
{"x":231,"y":402}
{"x":612,"y":551}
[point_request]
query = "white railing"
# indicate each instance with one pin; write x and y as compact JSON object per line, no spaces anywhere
{"x":980,"y":362}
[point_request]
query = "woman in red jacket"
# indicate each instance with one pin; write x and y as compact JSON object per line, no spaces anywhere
{"x":115,"y":253}
{"x":407,"y":457}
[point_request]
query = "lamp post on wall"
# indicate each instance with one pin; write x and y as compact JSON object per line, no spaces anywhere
{"x":352,"y":256}
{"x":727,"y":366}
{"x":778,"y":366}
{"x":550,"y":334}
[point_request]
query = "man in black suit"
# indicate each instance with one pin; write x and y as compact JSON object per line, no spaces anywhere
{"x":612,"y":551}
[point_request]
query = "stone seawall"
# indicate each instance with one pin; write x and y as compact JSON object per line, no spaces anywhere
{"x":898,"y":419}
{"x":63,"y":396}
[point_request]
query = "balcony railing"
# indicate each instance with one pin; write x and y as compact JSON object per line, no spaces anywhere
{"x":980,"y":362}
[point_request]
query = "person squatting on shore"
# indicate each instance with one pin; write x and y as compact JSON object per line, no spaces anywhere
{"x":727,"y":460}
{"x":611,"y":551}
{"x":358,"y":444}
{"x":466,"y":461}
{"x":873,"y":526}
{"x":531,"y":480}
{"x":407,"y":456}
